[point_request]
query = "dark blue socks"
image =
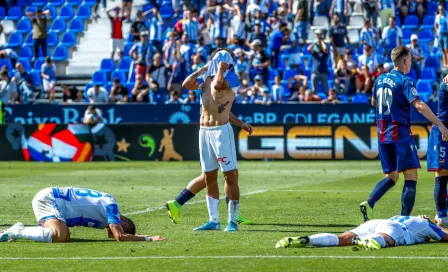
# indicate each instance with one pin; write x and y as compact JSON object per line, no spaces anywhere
{"x":380,"y":189}
{"x":408,"y":197}
{"x":440,"y":195}
{"x":184,"y":196}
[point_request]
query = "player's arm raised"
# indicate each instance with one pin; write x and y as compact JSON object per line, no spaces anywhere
{"x":191,"y":82}
{"x":219,"y":82}
{"x":116,"y":231}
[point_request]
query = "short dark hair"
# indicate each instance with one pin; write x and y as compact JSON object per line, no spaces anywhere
{"x":116,"y":80}
{"x":393,"y":18}
{"x":4,"y":73}
{"x":127,"y":225}
{"x":47,"y":59}
{"x":398,"y":53}
{"x":221,"y":49}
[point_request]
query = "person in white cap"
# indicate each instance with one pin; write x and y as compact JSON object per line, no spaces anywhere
{"x":417,"y":55}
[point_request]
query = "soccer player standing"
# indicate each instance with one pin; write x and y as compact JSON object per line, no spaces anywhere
{"x":437,"y":158}
{"x":393,"y":94}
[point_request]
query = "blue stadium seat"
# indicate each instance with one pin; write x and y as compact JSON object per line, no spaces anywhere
{"x":428,"y":74}
{"x":52,"y":39}
{"x":6,"y":62}
{"x":432,"y":62}
{"x":67,"y":12}
{"x":289,"y":73}
{"x":407,"y":35}
{"x":425,"y":35}
{"x":38,"y":64}
{"x":360,"y":98}
{"x":166,"y":11}
{"x":425,"y":48}
{"x":24,"y":3}
{"x":2,"y":13}
{"x":68,"y":39}
{"x":398,"y":23}
{"x":84,"y":12}
{"x":89,"y":2}
{"x":14,"y":13}
{"x":56,"y":3}
{"x":74,"y":2}
{"x":26,"y":63}
{"x":29,"y":40}
{"x":124,"y":65}
{"x":107,"y":66}
{"x":25,"y":52}
{"x":76,"y":25}
{"x":24,"y":25}
{"x":428,"y":21}
{"x":59,"y":26}
{"x":131,"y":78}
{"x":127,"y":47}
{"x":31,"y":9}
{"x":41,"y":53}
{"x":99,"y":77}
{"x":431,"y":8}
{"x":121,"y":75}
{"x":37,"y":79}
{"x":424,"y":87}
{"x":147,"y":7}
{"x":53,"y":12}
{"x":60,"y":53}
{"x":39,"y":3}
{"x":411,"y":21}
{"x":15,"y":39}
{"x":130,"y":38}
{"x":108,"y":86}
{"x":412,"y":74}
{"x":343,"y":98}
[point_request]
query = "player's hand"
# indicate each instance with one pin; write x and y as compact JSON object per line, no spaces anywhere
{"x":157,"y":238}
{"x":223,"y":66}
{"x":247,"y":127}
{"x":423,"y":217}
{"x":445,"y":80}
{"x":444,"y":133}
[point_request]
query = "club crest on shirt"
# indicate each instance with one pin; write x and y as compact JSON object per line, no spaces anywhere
{"x":414,"y":91}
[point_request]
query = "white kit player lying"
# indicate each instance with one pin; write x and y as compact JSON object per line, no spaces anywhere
{"x":58,"y":209}
{"x":375,"y":234}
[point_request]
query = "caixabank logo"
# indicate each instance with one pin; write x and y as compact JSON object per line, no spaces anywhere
{"x":340,"y":142}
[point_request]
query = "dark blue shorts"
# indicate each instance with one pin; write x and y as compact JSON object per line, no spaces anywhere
{"x":399,"y":157}
{"x":436,"y":156}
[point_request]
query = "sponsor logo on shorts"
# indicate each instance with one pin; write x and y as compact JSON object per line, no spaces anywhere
{"x":227,"y":163}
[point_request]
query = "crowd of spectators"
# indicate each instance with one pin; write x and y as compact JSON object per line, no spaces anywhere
{"x":282,"y":53}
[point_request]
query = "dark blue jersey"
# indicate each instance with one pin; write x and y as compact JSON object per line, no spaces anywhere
{"x":394,"y":93}
{"x":442,"y":110}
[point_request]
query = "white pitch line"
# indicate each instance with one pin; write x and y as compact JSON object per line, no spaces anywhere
{"x":330,"y":191}
{"x":222,"y":257}
{"x":189,"y":203}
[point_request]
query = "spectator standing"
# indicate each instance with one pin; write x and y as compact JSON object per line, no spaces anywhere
{"x":338,"y":36}
{"x":368,"y":36}
{"x":368,"y":59}
{"x":117,"y":42}
{"x":126,"y":5}
{"x":97,"y":94}
{"x":140,"y":53}
{"x":275,"y":43}
{"x":392,"y":37}
{"x":418,"y":56}
{"x":190,"y":26}
{"x":39,"y":31}
{"x":24,"y":83}
{"x":192,"y":98}
{"x":178,"y":71}
{"x":253,"y":7}
{"x":370,"y":10}
{"x":256,"y":35}
{"x":239,"y":27}
{"x":387,"y":10}
{"x":138,"y":26}
{"x":219,"y":22}
{"x":278,"y":92}
{"x":441,"y":27}
{"x":48,"y":74}
{"x":186,"y":50}
{"x":156,"y":77}
{"x":322,"y":7}
{"x":292,"y":44}
{"x":8,"y":89}
{"x":140,"y":91}
{"x":71,"y":95}
{"x":301,"y":21}
{"x":319,"y":52}
{"x":156,"y":30}
{"x":174,"y":98}
{"x":118,"y":92}
{"x":96,"y":7}
{"x":260,"y":61}
{"x":340,"y":8}
{"x":414,"y":7}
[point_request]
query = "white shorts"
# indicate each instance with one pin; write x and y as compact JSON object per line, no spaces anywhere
{"x":117,"y":45}
{"x":217,"y":148}
{"x":45,"y":207}
{"x":393,"y":229}
{"x":295,"y":59}
{"x":47,"y":84}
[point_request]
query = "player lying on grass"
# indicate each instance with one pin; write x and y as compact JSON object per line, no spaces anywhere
{"x":58,"y":209}
{"x":375,"y":234}
{"x":198,"y":184}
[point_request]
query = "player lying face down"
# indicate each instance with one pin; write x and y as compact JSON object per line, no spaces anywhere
{"x":58,"y":209}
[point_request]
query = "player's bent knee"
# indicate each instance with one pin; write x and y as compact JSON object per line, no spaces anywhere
{"x":394,"y":176}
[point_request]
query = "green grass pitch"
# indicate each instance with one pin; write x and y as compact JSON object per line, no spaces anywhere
{"x":282,"y":198}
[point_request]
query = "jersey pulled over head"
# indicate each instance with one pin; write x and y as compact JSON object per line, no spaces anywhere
{"x":220,"y":55}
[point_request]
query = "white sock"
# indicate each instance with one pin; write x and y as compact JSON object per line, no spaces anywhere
{"x":324,"y":240}
{"x":380,"y":239}
{"x":38,"y":234}
{"x":213,"y":209}
{"x":233,"y":208}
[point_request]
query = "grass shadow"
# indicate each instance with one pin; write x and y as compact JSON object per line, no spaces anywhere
{"x":310,"y":225}
{"x":291,"y":231}
{"x":80,"y":240}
